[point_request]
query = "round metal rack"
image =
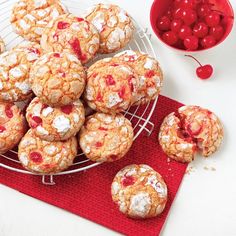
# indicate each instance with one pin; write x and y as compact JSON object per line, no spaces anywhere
{"x":139,"y":116}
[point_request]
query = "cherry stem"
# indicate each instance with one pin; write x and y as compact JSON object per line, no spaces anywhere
{"x":193,"y":59}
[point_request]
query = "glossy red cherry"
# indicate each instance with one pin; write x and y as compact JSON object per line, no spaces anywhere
{"x":208,"y":42}
{"x":188,"y":16}
{"x":203,"y":10}
{"x":177,"y":14}
{"x":213,"y":19}
{"x":217,"y":32}
{"x":203,"y":71}
{"x":184,"y":32}
{"x":188,"y":4}
{"x":170,"y":37}
{"x":200,"y":30}
{"x":191,"y":43}
{"x":163,"y":23}
{"x":176,"y":25}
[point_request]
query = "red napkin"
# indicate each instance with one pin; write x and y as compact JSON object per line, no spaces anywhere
{"x":87,"y":193}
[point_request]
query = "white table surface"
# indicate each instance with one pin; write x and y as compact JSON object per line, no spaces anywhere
{"x":206,"y":201}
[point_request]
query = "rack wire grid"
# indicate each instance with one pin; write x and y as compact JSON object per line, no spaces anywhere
{"x":139,"y":116}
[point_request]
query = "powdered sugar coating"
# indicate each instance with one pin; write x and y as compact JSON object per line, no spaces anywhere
{"x":68,"y":33}
{"x":149,"y":74}
{"x":106,"y":138}
{"x":114,"y":25}
{"x":2,"y":45}
{"x":12,"y":126}
{"x":55,"y":124}
{"x":45,"y":157}
{"x":189,"y":130}
{"x":139,"y":191}
{"x":58,"y":79}
{"x":111,"y":88}
{"x":14,"y":72}
{"x":30,"y":17}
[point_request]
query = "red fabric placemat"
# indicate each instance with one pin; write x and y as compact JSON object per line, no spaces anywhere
{"x":87,"y":194}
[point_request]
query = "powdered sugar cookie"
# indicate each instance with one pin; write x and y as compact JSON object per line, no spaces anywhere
{"x":58,"y":79}
{"x":139,"y":191}
{"x":30,"y":17}
{"x":189,"y":130}
{"x":44,"y":157}
{"x":111,"y":88}
{"x":106,"y":138}
{"x":114,"y":25}
{"x":2,"y":45}
{"x":55,"y":124}
{"x":12,"y":126}
{"x":149,"y":74}
{"x":71,"y":34}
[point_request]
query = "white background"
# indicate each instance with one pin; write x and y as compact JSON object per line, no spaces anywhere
{"x":206,"y":202}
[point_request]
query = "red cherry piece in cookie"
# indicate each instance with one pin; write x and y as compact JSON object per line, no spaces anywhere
{"x":57,"y":55}
{"x":163,"y":23}
{"x":99,"y":97}
{"x":110,"y":80}
{"x":8,"y":111}
{"x":213,"y":19}
{"x":208,"y":41}
{"x":200,"y":30}
{"x":2,"y":129}
{"x":75,"y":45}
{"x":203,"y":71}
{"x":128,"y":181}
{"x":62,"y":25}
{"x":67,"y":109}
{"x":194,"y":129}
{"x":36,"y":157}
{"x":170,"y":37}
{"x":103,"y":129}
{"x":184,"y":32}
{"x":188,"y":16}
{"x":217,"y":32}
{"x":98,"y":144}
{"x":149,"y":74}
{"x":34,"y":50}
{"x":121,"y":93}
{"x":35,"y":122}
{"x":176,"y":25}
{"x":191,"y":43}
{"x":114,"y":64}
{"x":79,"y":19}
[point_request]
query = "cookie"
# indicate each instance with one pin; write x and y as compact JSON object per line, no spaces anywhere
{"x":72,"y":34}
{"x":106,"y":138}
{"x":114,"y":25}
{"x":139,"y":191}
{"x":58,"y":79}
{"x":14,"y":72}
{"x":55,"y":124}
{"x":2,"y":45}
{"x":39,"y":156}
{"x":30,"y":17}
{"x":149,"y":73}
{"x":111,"y":87}
{"x":12,"y":126}
{"x":190,"y":130}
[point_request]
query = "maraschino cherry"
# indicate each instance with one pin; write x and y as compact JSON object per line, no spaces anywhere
{"x":203,"y":71}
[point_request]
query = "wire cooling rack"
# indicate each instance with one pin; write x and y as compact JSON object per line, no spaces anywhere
{"x":139,"y":116}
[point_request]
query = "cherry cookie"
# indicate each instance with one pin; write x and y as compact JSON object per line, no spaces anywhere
{"x":30,"y":17}
{"x":139,"y":191}
{"x":12,"y":126}
{"x":114,"y":25}
{"x":58,"y":79}
{"x":14,"y":72}
{"x":189,"y":130}
{"x":55,"y":124}
{"x":71,"y":34}
{"x":111,"y":87}
{"x":149,"y":74}
{"x":106,"y":138}
{"x":2,"y":45}
{"x":40,"y":156}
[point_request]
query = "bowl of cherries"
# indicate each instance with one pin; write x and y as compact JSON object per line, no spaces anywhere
{"x":192,"y":25}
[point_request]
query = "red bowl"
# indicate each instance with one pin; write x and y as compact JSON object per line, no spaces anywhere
{"x":159,"y":8}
